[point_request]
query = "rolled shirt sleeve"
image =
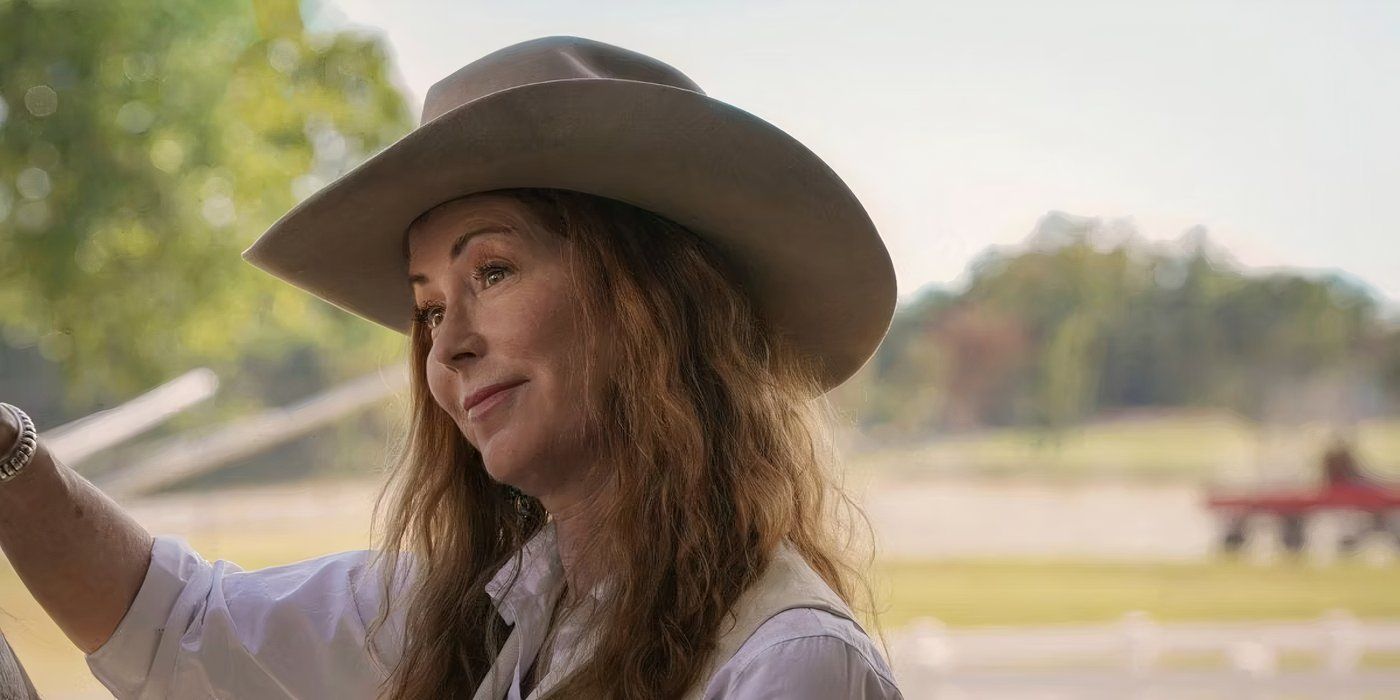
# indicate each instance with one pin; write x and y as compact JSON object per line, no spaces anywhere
{"x":201,"y":629}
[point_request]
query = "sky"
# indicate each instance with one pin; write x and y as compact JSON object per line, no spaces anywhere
{"x":1273,"y":125}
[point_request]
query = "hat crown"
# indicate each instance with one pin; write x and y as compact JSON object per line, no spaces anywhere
{"x":543,"y":60}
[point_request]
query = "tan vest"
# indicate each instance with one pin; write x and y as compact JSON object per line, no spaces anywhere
{"x":789,"y":582}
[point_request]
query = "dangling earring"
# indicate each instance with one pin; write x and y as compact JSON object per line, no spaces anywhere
{"x":520,"y":503}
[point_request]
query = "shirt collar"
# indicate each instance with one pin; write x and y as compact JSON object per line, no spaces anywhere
{"x":538,"y":576}
{"x":531,"y":577}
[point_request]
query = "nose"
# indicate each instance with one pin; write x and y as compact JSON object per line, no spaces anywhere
{"x":457,"y":342}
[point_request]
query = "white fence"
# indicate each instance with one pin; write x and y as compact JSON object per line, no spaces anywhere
{"x":959,"y":662}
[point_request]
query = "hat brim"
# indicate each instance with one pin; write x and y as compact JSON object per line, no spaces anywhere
{"x":793,"y":233}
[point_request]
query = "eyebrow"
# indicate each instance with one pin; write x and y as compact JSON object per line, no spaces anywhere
{"x":461,"y":243}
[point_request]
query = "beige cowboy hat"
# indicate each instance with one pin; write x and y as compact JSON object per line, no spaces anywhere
{"x":575,"y":114}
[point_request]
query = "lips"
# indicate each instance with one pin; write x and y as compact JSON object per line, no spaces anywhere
{"x":487,"y":392}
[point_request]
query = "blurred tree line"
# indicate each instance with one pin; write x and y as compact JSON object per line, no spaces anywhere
{"x":143,"y":145}
{"x":1088,"y":317}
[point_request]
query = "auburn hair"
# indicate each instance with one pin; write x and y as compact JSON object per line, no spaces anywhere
{"x":720,"y":439}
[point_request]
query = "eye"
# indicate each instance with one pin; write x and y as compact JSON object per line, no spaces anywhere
{"x":426,"y":313}
{"x":490,"y":273}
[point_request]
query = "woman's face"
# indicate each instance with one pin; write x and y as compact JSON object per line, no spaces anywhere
{"x":494,"y":289}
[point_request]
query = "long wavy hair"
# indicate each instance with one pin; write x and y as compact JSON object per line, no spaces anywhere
{"x":720,"y":452}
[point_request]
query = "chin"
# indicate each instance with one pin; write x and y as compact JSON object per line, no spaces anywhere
{"x":504,"y":476}
{"x":510,"y":473}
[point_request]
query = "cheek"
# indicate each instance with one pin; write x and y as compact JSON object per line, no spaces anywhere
{"x":440,"y":386}
{"x":542,"y":337}
{"x":580,"y":375}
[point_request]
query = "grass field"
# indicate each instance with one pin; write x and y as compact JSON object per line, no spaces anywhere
{"x":1194,"y":446}
{"x":968,"y":593}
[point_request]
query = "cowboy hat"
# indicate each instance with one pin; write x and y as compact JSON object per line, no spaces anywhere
{"x":570,"y":113}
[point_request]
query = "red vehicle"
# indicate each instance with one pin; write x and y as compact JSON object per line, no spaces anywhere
{"x":1379,"y":501}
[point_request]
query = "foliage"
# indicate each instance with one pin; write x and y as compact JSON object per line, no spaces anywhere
{"x":143,"y":146}
{"x":1089,"y":318}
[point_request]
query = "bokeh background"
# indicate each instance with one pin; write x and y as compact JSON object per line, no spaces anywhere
{"x":1147,"y":256}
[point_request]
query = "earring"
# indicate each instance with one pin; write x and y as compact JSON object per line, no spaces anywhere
{"x":520,"y":503}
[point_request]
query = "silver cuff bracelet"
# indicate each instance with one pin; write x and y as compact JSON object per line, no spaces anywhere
{"x":23,"y":451}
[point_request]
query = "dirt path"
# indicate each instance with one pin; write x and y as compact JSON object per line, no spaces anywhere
{"x":913,"y":519}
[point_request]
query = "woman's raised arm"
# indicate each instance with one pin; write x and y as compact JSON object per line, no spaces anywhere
{"x":81,"y":556}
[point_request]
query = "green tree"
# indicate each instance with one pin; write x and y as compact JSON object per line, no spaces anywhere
{"x":1087,"y":317}
{"x":143,"y":145}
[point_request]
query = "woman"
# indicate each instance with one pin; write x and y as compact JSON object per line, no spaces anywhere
{"x":623,"y":300}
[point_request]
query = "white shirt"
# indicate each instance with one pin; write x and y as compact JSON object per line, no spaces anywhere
{"x":199,"y":630}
